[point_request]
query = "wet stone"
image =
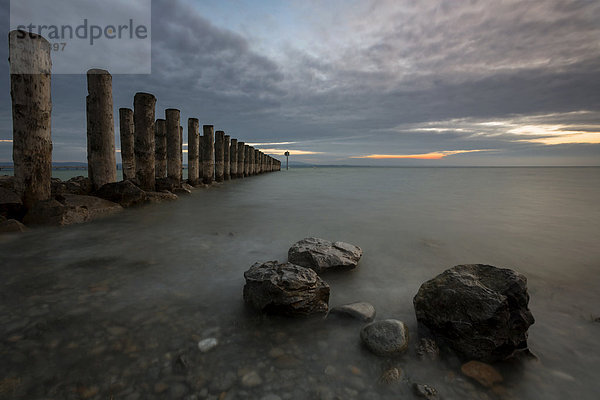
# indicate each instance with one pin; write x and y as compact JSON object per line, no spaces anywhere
{"x":483,"y":373}
{"x":251,"y":379}
{"x":391,"y":375}
{"x":361,"y":310}
{"x":425,"y":391}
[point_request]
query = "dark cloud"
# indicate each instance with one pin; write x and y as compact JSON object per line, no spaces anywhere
{"x":372,"y":84}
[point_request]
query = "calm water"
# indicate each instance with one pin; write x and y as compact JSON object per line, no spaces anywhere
{"x":110,"y":305}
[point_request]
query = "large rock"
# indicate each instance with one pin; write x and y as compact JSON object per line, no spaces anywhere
{"x":78,"y":185}
{"x":478,"y":310}
{"x":97,"y":207}
{"x":125,"y":193}
{"x":322,"y":255}
{"x":11,"y":205}
{"x":285,"y":288}
{"x":52,"y":212}
{"x":385,"y":338}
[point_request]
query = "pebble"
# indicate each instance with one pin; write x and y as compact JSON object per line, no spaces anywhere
{"x":425,"y":391}
{"x":391,"y":375}
{"x":251,"y":379}
{"x":330,"y":370}
{"x":483,"y":373}
{"x":207,"y":344}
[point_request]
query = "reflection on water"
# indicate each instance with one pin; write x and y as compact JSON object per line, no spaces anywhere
{"x":118,"y":306}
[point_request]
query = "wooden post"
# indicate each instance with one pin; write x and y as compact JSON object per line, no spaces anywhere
{"x":102,"y":165}
{"x":233,"y":162}
{"x":219,"y":154}
{"x":226,"y":158}
{"x":30,"y":74}
{"x":193,"y":144}
{"x":127,"y":141}
{"x":160,"y":132}
{"x":208,"y":155}
{"x":173,"y":146}
{"x":256,"y":156}
{"x":181,"y":150}
{"x":240,"y":167}
{"x":145,"y":147}
{"x":246,"y":160}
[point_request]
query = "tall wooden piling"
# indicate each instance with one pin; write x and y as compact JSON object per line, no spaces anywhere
{"x":30,"y":75}
{"x":256,"y":156}
{"x":193,"y":149}
{"x":181,"y":149}
{"x":102,"y":165}
{"x":208,"y":154}
{"x":233,"y":162}
{"x":200,"y":158}
{"x":127,"y":143}
{"x":219,"y":154}
{"x":246,"y":160}
{"x":173,"y":146}
{"x":240,"y":166}
{"x":226,"y":157}
{"x":145,"y":147}
{"x":160,"y":138}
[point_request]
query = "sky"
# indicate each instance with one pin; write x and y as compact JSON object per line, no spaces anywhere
{"x":363,"y":82}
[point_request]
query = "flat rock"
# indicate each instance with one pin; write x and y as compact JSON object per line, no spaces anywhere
{"x":483,"y":373}
{"x":285,"y":288}
{"x":11,"y":225}
{"x":126,"y":193}
{"x":479,"y":311}
{"x":361,"y":310}
{"x":181,"y":191}
{"x":322,"y":255}
{"x":97,"y":207}
{"x":385,"y":338}
{"x":160,"y":197}
{"x":52,"y":212}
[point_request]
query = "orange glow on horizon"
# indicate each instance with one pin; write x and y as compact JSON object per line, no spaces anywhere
{"x":436,"y":155}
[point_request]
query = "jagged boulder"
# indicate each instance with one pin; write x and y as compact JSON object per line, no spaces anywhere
{"x":285,"y":288}
{"x":97,"y":207}
{"x":479,"y":311}
{"x":126,"y":193}
{"x":53,"y":212}
{"x":322,"y":255}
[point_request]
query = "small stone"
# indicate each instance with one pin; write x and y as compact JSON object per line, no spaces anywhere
{"x":425,"y":391}
{"x":428,"y":349}
{"x":206,"y":345}
{"x":392,"y":375}
{"x":330,"y":370}
{"x":12,"y":225}
{"x":386,"y":337}
{"x":361,"y":310}
{"x":270,"y":396}
{"x":87,"y":392}
{"x":276,"y":352}
{"x":160,"y":387}
{"x":251,"y":379}
{"x":483,"y":373}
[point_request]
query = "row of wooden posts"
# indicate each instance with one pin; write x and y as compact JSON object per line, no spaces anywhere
{"x":151,"y":148}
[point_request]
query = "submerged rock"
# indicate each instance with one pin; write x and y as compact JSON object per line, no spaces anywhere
{"x":385,"y":338}
{"x":483,"y":373}
{"x":361,"y":310}
{"x":428,"y":349}
{"x":322,"y":255}
{"x":125,"y":193}
{"x":285,"y":288}
{"x":208,"y":344}
{"x":480,"y":311}
{"x":11,"y":225}
{"x":160,"y":197}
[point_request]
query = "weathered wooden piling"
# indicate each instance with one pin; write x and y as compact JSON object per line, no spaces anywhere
{"x":160,"y":138}
{"x":127,"y":143}
{"x":208,"y":154}
{"x":181,"y":149}
{"x":246,"y":160}
{"x":145,"y":147}
{"x":233,"y":162}
{"x":200,"y":158}
{"x":102,"y":165}
{"x":240,"y":166}
{"x":252,"y":155}
{"x":173,"y":146}
{"x":219,"y":154}
{"x":226,"y":157}
{"x":256,"y":164}
{"x":193,"y":151}
{"x":30,"y":74}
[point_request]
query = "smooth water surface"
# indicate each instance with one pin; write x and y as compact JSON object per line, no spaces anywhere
{"x":117,"y":307}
